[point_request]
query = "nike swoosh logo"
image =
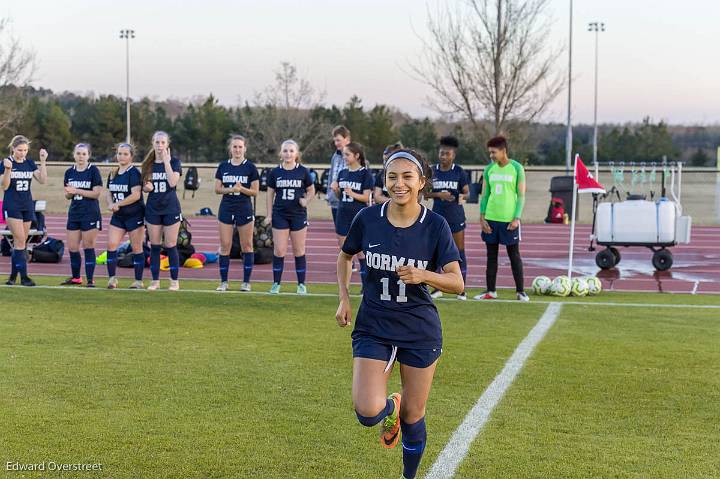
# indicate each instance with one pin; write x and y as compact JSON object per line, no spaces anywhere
{"x":374,"y":245}
{"x":392,"y":439}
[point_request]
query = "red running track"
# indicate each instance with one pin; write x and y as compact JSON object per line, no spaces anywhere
{"x":544,"y":250}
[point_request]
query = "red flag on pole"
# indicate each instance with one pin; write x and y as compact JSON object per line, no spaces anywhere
{"x":584,"y":179}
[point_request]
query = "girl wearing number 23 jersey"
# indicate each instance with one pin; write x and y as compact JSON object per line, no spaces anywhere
{"x":404,"y":244}
{"x":18,"y":207}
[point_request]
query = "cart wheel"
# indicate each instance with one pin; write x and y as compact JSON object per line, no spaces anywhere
{"x":662,"y":260}
{"x":616,"y":254}
{"x":605,"y":259}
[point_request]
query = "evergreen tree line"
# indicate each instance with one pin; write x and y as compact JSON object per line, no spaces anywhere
{"x":200,"y":128}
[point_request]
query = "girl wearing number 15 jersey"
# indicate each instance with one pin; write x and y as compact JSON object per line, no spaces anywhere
{"x":404,"y":244}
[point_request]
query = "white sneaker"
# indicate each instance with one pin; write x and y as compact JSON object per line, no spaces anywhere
{"x":223,"y":286}
{"x":137,"y":285}
{"x":301,"y":289}
{"x":174,"y":285}
{"x":462,"y":296}
{"x":523,"y":297}
{"x":112,"y":282}
{"x":436,"y":294}
{"x":486,"y":295}
{"x":245,"y":287}
{"x":154,"y":285}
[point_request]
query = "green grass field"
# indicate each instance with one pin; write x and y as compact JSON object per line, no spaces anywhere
{"x":201,"y":385}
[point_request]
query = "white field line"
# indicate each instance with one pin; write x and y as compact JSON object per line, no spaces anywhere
{"x":457,"y":448}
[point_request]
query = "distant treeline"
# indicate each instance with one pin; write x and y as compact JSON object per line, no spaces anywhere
{"x":199,"y":129}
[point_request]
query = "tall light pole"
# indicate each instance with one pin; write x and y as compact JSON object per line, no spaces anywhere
{"x":568,"y":138}
{"x":127,"y":35}
{"x":596,"y":27}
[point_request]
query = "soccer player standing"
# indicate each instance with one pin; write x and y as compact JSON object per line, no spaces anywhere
{"x":501,"y":207}
{"x":160,"y":174}
{"x":449,"y":191}
{"x":125,"y":201}
{"x":83,"y":186}
{"x":18,"y":206}
{"x":341,"y":138}
{"x":353,"y":186}
{"x":237,"y":180}
{"x":290,"y":190}
{"x":404,"y":245}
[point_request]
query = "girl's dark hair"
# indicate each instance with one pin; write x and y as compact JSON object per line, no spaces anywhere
{"x":357,"y":149}
{"x":129,"y":146}
{"x":497,"y":142}
{"x":449,"y":141}
{"x":390,"y":149}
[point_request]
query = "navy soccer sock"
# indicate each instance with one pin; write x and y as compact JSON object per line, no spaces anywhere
{"x":370,"y":421}
{"x":248,"y":261}
{"x":139,"y":265}
{"x":20,"y":262}
{"x":278,"y":265}
{"x":174,"y":262}
{"x":463,"y":266}
{"x":75,"y":263}
{"x":89,"y":263}
{"x":224,"y":266}
{"x":300,"y":267}
{"x":414,"y":437}
{"x":155,"y":261}
{"x":111,"y":262}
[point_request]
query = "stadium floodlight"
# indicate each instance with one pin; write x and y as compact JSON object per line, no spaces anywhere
{"x":596,"y":27}
{"x":568,"y":137}
{"x":127,"y":35}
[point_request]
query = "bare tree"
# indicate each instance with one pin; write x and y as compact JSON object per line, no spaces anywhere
{"x":488,"y":61}
{"x":285,"y":110}
{"x":17,"y":66}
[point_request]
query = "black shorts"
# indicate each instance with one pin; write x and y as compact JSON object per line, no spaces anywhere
{"x":163,"y":220}
{"x":84,"y":225}
{"x":500,"y":234}
{"x":127,"y":223}
{"x":370,"y":347}
{"x":19,"y":214}
{"x":293,"y":223}
{"x":343,"y":221}
{"x":237,"y":216}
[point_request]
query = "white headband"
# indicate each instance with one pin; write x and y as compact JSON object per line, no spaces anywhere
{"x":407,"y":156}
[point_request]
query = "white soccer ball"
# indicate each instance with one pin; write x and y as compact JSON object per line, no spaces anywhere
{"x":561,"y":286}
{"x":579,"y":287}
{"x":594,"y":285}
{"x":541,"y":285}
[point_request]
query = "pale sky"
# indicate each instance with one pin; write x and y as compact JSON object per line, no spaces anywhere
{"x":656,"y":58}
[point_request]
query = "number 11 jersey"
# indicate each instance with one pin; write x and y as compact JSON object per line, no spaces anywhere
{"x":401,"y":314}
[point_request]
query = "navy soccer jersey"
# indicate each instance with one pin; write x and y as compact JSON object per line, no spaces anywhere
{"x":244,"y":173}
{"x":453,"y":180}
{"x":289,"y":186}
{"x":358,"y":181}
{"x":82,"y":208}
{"x":380,"y":183}
{"x":401,"y":314}
{"x":18,"y":195}
{"x":163,"y":200}
{"x":120,"y":187}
